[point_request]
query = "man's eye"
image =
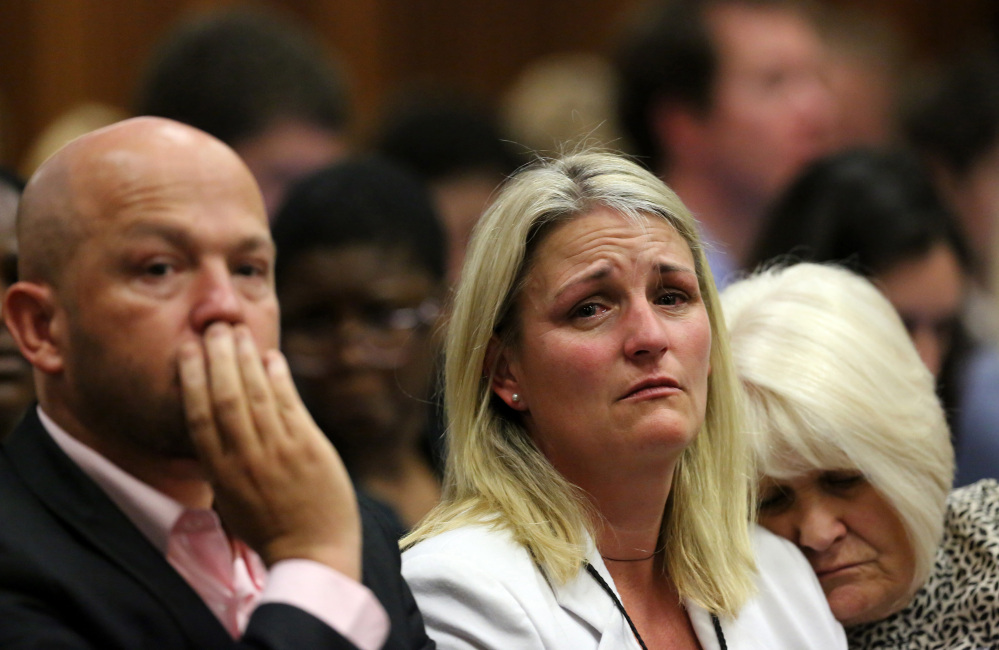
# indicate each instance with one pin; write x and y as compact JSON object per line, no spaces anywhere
{"x":158,"y":269}
{"x":251,"y":270}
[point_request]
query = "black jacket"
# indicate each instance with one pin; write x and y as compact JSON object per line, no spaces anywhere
{"x":76,"y":573}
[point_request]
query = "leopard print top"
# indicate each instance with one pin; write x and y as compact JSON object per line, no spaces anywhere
{"x":958,"y":607}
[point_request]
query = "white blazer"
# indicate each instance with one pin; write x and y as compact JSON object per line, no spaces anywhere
{"x":477,"y":588}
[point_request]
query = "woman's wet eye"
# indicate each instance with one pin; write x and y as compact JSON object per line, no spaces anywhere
{"x":671,"y":298}
{"x":588,"y":310}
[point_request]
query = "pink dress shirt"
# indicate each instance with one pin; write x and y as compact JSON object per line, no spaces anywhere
{"x":227,"y":574}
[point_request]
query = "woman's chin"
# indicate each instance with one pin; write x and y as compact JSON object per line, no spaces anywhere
{"x":853,"y":605}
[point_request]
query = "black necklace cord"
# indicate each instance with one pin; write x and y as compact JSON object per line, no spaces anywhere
{"x":634,"y":630}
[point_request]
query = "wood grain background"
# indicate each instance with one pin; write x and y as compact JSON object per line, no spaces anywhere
{"x":55,"y":54}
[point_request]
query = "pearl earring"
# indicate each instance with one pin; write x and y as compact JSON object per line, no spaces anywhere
{"x":515,"y":397}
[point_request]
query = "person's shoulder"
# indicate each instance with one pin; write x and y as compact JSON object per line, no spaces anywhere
{"x":973,"y":516}
{"x":772,"y":550}
{"x":477,"y":543}
{"x":982,"y":495}
{"x":789,"y":609}
{"x":780,"y":565}
{"x":974,"y":510}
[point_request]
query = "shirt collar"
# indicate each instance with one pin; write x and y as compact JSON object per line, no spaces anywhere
{"x":152,"y":512}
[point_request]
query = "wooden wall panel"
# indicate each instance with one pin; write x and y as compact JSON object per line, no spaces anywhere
{"x":57,"y":53}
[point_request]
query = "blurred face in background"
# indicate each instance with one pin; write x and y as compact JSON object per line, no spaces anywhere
{"x":772,"y":110}
{"x":357,"y":328}
{"x":928,"y":293}
{"x":285,"y":152}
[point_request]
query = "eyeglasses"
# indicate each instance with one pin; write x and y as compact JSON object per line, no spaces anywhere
{"x":381,"y":333}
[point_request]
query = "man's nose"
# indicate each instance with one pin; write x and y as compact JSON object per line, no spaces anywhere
{"x":216,"y":298}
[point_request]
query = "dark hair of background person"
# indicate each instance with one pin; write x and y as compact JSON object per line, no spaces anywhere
{"x":665,"y":53}
{"x":364,"y":201}
{"x":8,"y":251}
{"x":440,"y":134}
{"x":17,"y":390}
{"x":233,"y":72}
{"x":871,"y":211}
{"x":953,"y":118}
{"x":10,"y":177}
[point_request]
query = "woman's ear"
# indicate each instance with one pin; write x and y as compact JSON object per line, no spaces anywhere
{"x":504,"y":375}
{"x":29,"y":310}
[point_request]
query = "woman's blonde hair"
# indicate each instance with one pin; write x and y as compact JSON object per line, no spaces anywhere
{"x":834,"y":382}
{"x":496,"y":474}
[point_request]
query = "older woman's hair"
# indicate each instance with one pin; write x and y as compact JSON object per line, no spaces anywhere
{"x":834,"y":382}
{"x":495,"y":473}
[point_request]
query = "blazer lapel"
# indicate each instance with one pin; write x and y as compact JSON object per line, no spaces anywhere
{"x":84,"y":508}
{"x":586,"y":600}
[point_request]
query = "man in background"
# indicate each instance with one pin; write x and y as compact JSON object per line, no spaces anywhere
{"x":725,"y":100}
{"x":260,"y":82}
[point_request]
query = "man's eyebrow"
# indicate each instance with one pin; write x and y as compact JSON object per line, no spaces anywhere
{"x":181,"y":238}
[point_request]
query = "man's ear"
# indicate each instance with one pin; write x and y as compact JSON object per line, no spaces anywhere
{"x":504,"y":375}
{"x":29,"y":310}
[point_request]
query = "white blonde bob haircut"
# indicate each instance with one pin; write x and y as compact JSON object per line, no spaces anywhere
{"x":495,"y":473}
{"x":833,"y":381}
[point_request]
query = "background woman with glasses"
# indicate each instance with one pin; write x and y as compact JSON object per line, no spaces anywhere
{"x":360,"y":276}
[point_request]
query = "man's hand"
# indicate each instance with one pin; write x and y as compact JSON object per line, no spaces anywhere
{"x":279,"y":484}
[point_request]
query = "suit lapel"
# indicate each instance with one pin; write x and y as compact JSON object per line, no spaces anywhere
{"x":71,"y":496}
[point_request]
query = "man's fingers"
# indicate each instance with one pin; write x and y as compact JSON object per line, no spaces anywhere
{"x":232,"y":413}
{"x":259,"y":395}
{"x":198,"y":401}
{"x":292,"y":410}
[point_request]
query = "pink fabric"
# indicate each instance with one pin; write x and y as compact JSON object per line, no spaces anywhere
{"x":227,"y":574}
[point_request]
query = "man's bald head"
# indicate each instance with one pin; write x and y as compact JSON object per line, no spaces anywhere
{"x":97,"y":174}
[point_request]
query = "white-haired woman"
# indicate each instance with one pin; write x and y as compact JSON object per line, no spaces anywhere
{"x":597,"y":490}
{"x":856,"y":464}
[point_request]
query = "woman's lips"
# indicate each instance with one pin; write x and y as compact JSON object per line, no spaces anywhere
{"x":836,"y":570}
{"x":653,"y":388}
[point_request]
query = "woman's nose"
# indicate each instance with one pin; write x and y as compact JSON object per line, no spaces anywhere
{"x":647,"y":333}
{"x":820,"y":525}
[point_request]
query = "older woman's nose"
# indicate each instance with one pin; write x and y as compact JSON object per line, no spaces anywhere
{"x":820,"y":525}
{"x":647,"y":330}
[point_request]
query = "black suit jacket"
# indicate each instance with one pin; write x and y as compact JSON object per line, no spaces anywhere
{"x":76,"y":573}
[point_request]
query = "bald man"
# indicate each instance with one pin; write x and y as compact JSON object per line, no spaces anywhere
{"x":170,"y":490}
